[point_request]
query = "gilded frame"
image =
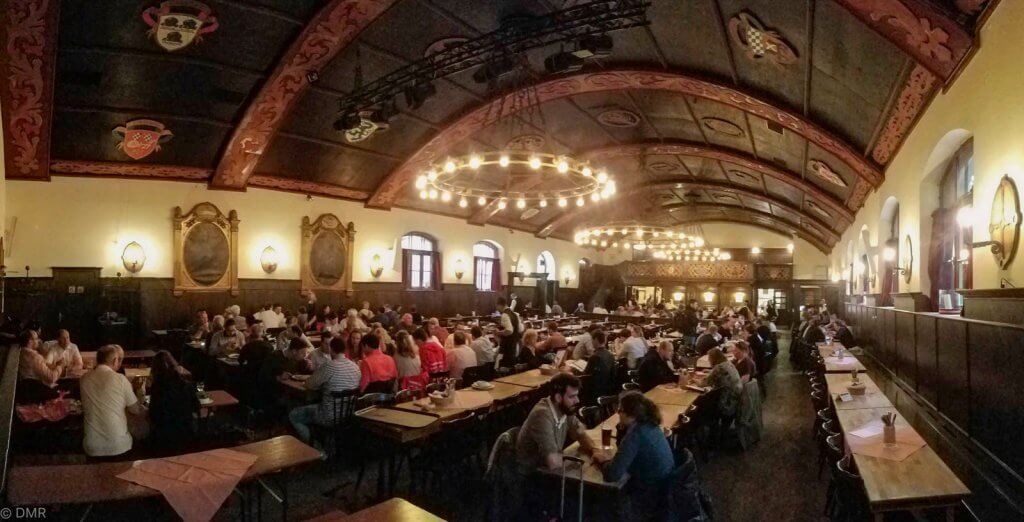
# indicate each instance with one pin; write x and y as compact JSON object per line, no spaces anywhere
{"x":184,"y":223}
{"x":311,"y":230}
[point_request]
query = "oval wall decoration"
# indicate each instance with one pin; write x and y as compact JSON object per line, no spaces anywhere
{"x":205,"y":250}
{"x":206,"y":254}
{"x":1004,"y":223}
{"x":327,"y":254}
{"x":907,"y":258}
{"x":618,"y":118}
{"x":723,"y":127}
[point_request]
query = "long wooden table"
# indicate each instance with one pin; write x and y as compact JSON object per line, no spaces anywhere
{"x":91,"y":483}
{"x":501,"y":391}
{"x":921,"y":481}
{"x":391,"y":510}
{"x":873,"y":397}
{"x":530,"y":378}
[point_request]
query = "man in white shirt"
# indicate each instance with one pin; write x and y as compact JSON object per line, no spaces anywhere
{"x":483,"y":348}
{"x":460,"y":356}
{"x":635,"y":348}
{"x":63,"y":348}
{"x":365,"y":313}
{"x":106,"y":396}
{"x":599,"y":310}
{"x":228,"y":340}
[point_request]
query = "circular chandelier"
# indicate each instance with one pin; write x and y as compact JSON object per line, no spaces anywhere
{"x":458,"y":178}
{"x":662,"y":242}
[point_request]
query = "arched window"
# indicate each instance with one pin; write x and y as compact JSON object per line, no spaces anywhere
{"x":486,"y":267}
{"x":420,"y":262}
{"x":952,"y":256}
{"x":546,"y":265}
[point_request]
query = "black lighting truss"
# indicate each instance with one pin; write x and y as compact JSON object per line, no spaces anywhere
{"x":511,"y":39}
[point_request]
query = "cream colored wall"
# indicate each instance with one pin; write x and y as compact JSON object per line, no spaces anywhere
{"x":809,"y":262}
{"x":87,"y":222}
{"x":987,"y":102}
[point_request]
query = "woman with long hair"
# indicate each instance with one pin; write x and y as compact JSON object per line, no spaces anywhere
{"x":411,"y":374}
{"x":643,"y":453}
{"x":172,"y":403}
{"x":528,"y":354}
{"x":354,"y":352}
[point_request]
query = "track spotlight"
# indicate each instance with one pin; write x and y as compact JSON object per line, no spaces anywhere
{"x":562,"y":62}
{"x":594,"y":46}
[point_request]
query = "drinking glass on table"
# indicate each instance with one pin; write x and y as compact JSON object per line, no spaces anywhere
{"x":606,"y":436}
{"x":200,"y":386}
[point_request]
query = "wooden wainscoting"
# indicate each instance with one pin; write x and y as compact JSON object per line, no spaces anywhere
{"x":960,"y":382}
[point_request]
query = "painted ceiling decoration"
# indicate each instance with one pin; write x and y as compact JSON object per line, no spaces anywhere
{"x":140,"y":138}
{"x":758,"y":42}
{"x":619,"y":117}
{"x":825,"y":172}
{"x":176,"y":24}
{"x":672,"y":102}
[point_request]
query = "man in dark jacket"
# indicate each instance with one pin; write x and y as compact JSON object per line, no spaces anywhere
{"x":708,"y":340}
{"x":601,"y":368}
{"x":654,"y":368}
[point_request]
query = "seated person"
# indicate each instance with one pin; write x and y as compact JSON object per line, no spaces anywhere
{"x":432,"y":355}
{"x":106,"y":397}
{"x":172,"y":404}
{"x":813,"y":334}
{"x":844,"y":335}
{"x":226,"y":341}
{"x":63,"y":348}
{"x":32,"y":365}
{"x":437,"y":332}
{"x":744,"y":363}
{"x":482,"y":346}
{"x":601,"y":368}
{"x":375,"y":366}
{"x":708,"y":340}
{"x":555,"y":341}
{"x":551,"y":421}
{"x":528,"y":351}
{"x":654,"y":367}
{"x":643,"y":453}
{"x":337,"y":375}
{"x":322,"y":355}
{"x":634,"y":348}
{"x":460,"y":356}
{"x":201,"y":328}
{"x":723,"y":376}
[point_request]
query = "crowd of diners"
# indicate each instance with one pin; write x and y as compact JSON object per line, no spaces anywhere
{"x":388,"y":349}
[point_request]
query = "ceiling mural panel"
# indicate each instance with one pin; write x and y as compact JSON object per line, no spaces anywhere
{"x":254,"y":88}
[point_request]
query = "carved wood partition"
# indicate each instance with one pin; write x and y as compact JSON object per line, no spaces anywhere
{"x":327,"y":254}
{"x":959,"y":382}
{"x":205,"y":250}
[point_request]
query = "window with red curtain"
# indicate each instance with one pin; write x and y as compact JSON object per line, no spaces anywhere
{"x":420,"y":262}
{"x":486,"y":267}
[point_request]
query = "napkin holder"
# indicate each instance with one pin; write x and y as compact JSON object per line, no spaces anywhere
{"x":856,"y":388}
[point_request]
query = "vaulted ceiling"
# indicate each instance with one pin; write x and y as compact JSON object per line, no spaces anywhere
{"x":695,"y":123}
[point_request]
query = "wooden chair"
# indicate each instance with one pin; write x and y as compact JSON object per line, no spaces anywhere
{"x":409,"y":394}
{"x":387,"y":387}
{"x":848,"y":500}
{"x":483,"y":372}
{"x":630,"y":386}
{"x":591,"y":416}
{"x":608,"y":404}
{"x":374,"y":399}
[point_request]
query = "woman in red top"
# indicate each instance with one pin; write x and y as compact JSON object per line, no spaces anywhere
{"x":432,"y":355}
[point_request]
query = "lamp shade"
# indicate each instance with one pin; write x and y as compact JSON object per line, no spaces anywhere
{"x":133,"y":257}
{"x":269,"y":259}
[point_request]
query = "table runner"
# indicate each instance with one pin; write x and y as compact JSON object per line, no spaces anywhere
{"x":871,"y":442}
{"x":196,"y":484}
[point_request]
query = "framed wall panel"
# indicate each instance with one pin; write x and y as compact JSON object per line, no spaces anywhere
{"x":205,"y":250}
{"x":327,"y":254}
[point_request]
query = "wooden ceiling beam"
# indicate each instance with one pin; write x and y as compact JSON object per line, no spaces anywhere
{"x":619,"y":80}
{"x":28,"y":32}
{"x":333,"y":28}
{"x":929,"y":35}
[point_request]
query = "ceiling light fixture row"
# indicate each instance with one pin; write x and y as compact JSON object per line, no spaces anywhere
{"x":663,"y":243}
{"x":457,"y":178}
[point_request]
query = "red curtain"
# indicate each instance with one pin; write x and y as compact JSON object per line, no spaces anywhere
{"x":435,"y":260}
{"x":496,"y":276}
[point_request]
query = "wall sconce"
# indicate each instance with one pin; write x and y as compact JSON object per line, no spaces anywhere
{"x":567,"y":277}
{"x":269,"y":259}
{"x":376,"y":266}
{"x":739,"y":297}
{"x":460,"y":268}
{"x":677,"y":296}
{"x":966,"y":217}
{"x":133,"y":257}
{"x":835,"y":278}
{"x":755,"y":250}
{"x":789,"y":248}
{"x":709,"y":296}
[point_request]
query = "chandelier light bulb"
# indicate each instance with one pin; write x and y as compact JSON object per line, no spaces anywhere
{"x":502,"y":204}
{"x":521,"y":203}
{"x":615,"y":244}
{"x":562,"y":203}
{"x":432,"y":194}
{"x":579,"y":201}
{"x":543,"y":203}
{"x":449,"y":166}
{"x":595,"y":197}
{"x":463,"y":203}
{"x":474,"y":162}
{"x":587,"y":171}
{"x":563,"y":166}
{"x":503,"y":160}
{"x":446,"y":197}
{"x":602,"y":177}
{"x":626,"y":246}
{"x":432,"y":174}
{"x":423,"y":194}
{"x":534,"y":163}
{"x":481,"y":201}
{"x":604,"y":244}
{"x":421,"y":182}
